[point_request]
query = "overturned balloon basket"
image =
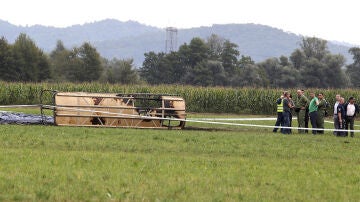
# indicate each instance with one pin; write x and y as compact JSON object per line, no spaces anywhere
{"x":127,"y":110}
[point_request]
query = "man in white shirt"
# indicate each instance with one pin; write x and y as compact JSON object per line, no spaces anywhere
{"x":351,"y":110}
{"x":336,"y":120}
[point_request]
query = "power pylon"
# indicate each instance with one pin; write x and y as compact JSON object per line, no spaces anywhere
{"x":171,"y":39}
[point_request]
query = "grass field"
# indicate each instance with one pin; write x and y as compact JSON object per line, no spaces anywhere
{"x":208,"y":163}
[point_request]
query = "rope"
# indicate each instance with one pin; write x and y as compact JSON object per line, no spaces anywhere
{"x":235,"y":119}
{"x":201,"y":121}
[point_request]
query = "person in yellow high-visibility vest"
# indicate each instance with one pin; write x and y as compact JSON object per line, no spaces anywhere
{"x":280,"y":109}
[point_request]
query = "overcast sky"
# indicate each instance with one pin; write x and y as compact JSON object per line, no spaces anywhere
{"x":331,"y":20}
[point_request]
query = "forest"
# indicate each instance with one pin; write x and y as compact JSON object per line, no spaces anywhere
{"x":214,"y":61}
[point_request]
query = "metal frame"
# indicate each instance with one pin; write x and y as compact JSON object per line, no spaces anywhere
{"x":118,"y":110}
{"x":42,"y":106}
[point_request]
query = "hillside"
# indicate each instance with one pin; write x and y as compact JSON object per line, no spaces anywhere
{"x":130,"y":39}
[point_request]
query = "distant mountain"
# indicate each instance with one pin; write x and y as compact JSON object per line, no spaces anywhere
{"x":130,"y":39}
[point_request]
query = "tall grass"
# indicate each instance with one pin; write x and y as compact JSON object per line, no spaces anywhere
{"x":198,"y":99}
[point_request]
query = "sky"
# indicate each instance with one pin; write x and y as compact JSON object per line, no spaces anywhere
{"x":330,"y":20}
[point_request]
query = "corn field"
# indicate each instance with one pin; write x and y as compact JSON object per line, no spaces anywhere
{"x":198,"y":99}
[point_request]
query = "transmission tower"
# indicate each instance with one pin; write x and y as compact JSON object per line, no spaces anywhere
{"x":171,"y":39}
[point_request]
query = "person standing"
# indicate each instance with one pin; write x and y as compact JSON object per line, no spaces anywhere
{"x":306,"y":114}
{"x":351,"y":109}
{"x":341,"y":117}
{"x":336,"y":118}
{"x":280,"y":109}
{"x":301,"y":103}
{"x":291,"y":110}
{"x":321,"y":112}
{"x":286,"y":113}
{"x":313,"y":107}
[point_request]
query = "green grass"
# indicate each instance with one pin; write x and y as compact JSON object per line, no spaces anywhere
{"x":245,"y":128}
{"x":27,"y":110}
{"x":48,"y":163}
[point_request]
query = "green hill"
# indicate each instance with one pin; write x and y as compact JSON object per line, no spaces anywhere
{"x":130,"y":39}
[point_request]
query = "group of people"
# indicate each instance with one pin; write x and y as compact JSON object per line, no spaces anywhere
{"x":315,"y":109}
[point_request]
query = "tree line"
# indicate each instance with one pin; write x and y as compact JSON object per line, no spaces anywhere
{"x":213,"y":61}
{"x":217,"y":62}
{"x":24,"y":61}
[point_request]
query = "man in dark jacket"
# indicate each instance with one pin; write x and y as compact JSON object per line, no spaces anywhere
{"x":341,"y":116}
{"x":351,"y":109}
{"x":287,"y":106}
